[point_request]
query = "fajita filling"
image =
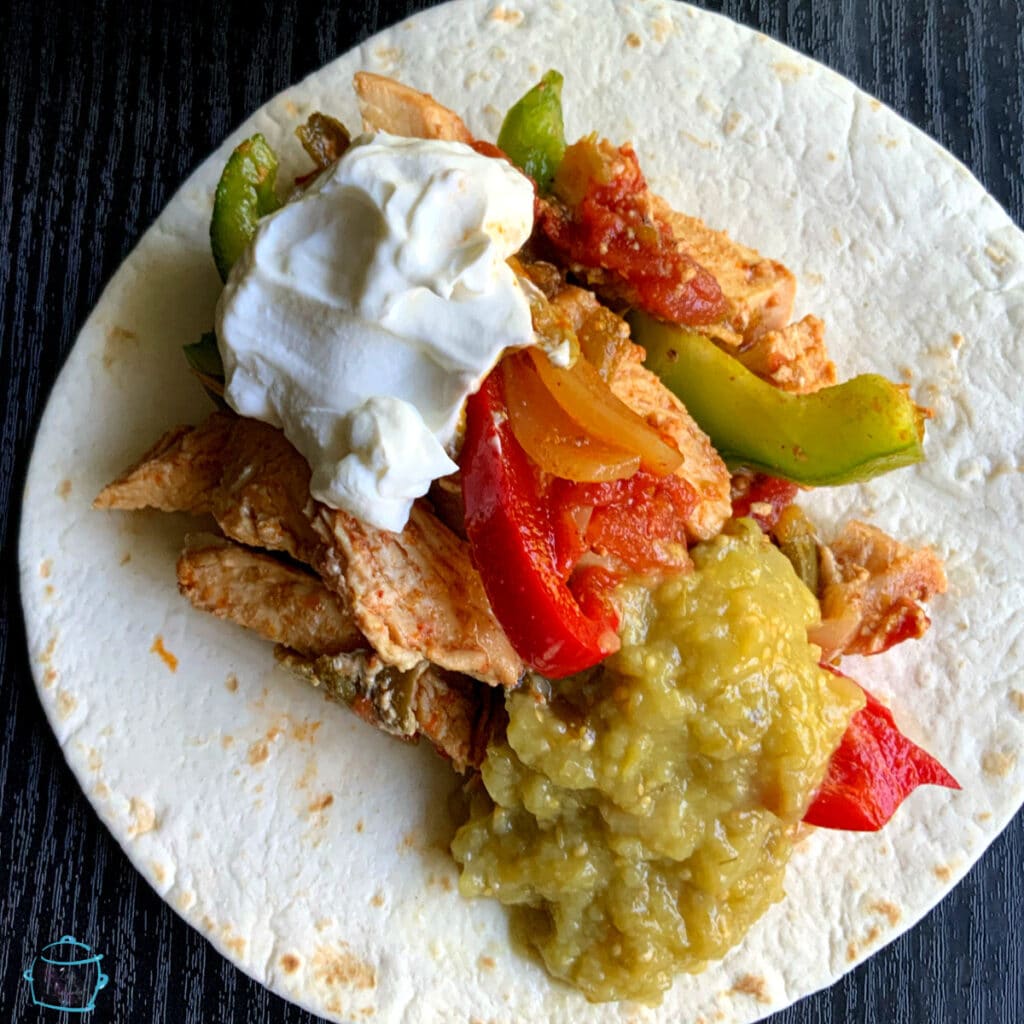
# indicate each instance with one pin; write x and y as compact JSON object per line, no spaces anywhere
{"x":511,"y":462}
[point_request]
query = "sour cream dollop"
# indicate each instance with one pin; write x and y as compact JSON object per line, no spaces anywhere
{"x":365,"y":313}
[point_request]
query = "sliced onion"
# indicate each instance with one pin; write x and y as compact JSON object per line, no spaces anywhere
{"x":588,"y":400}
{"x":552,"y":438}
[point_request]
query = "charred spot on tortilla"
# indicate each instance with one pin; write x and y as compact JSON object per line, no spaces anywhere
{"x":752,"y":985}
{"x":321,"y":803}
{"x":166,"y":656}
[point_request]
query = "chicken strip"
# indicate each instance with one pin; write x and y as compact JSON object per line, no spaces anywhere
{"x":318,"y":639}
{"x":433,"y":604}
{"x":179,"y":471}
{"x":281,"y":602}
{"x":758,"y":292}
{"x":242,"y":472}
{"x":703,"y":468}
{"x":390,"y":106}
{"x":414,"y":595}
{"x":870,"y":586}
{"x":455,"y":713}
{"x":793,"y":358}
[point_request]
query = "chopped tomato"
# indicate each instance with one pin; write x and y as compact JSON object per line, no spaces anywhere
{"x":636,"y":523}
{"x":763,"y":498}
{"x":607,"y":223}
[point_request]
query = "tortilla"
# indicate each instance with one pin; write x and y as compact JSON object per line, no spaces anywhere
{"x":310,"y":849}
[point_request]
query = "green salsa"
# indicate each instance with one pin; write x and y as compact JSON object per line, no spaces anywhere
{"x":638,"y":817}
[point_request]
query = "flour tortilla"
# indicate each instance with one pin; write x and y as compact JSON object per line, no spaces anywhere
{"x":311,"y":849}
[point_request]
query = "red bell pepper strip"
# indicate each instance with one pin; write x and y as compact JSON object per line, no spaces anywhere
{"x":872,"y":772}
{"x":512,"y":543}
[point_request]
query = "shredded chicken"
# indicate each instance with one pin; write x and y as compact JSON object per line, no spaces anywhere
{"x":870,"y":588}
{"x":390,"y":106}
{"x":282,"y":602}
{"x":793,"y":358}
{"x":414,"y":595}
{"x":455,"y":713}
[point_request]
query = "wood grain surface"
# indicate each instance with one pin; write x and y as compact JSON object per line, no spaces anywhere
{"x":107,"y":109}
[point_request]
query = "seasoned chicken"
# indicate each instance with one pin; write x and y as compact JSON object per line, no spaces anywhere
{"x":318,"y":639}
{"x":281,"y":602}
{"x":870,"y":588}
{"x":702,"y":466}
{"x":433,"y":605}
{"x":390,"y":106}
{"x":458,"y":715}
{"x":758,"y":292}
{"x":455,"y":713}
{"x":793,"y":358}
{"x":179,"y":471}
{"x":242,"y":472}
{"x":414,"y":595}
{"x":578,"y":306}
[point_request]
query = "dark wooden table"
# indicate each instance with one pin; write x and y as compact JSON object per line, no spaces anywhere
{"x":108,"y":108}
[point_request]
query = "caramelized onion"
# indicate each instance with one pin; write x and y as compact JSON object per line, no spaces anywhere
{"x":551,"y":437}
{"x":588,"y":401}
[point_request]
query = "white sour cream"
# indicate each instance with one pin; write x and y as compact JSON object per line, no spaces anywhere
{"x":365,"y":313}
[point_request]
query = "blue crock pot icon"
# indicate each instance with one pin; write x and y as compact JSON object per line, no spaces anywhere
{"x":66,"y":975}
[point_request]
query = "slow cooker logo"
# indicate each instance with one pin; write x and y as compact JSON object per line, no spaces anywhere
{"x":66,"y":975}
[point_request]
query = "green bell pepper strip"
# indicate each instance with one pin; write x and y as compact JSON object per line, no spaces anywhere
{"x":324,"y":138}
{"x":532,"y":134}
{"x":204,"y":360}
{"x":245,"y":192}
{"x":838,"y":435}
{"x":204,"y":356}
